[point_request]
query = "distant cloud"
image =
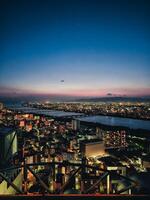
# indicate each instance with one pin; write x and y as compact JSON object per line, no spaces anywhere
{"x":95,"y":92}
{"x":11,"y":91}
{"x":6,"y":90}
{"x":109,"y":94}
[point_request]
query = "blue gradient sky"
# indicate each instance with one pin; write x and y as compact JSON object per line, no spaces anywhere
{"x":96,"y":47}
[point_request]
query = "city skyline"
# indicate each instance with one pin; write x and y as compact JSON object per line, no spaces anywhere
{"x":75,"y":48}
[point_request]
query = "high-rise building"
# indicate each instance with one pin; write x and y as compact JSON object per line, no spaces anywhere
{"x":8,"y":148}
{"x":92,"y":148}
{"x":75,"y":124}
{"x":115,"y":139}
{"x":99,"y":133}
{"x":1,"y":106}
{"x":8,"y":144}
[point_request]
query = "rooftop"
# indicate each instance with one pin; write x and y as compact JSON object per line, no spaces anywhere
{"x":91,"y":141}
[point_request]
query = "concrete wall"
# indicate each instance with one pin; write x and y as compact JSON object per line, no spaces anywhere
{"x":94,"y":149}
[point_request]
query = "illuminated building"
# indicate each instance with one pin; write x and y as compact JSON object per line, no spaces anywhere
{"x":8,"y":149}
{"x":1,"y":106}
{"x":146,"y":163}
{"x":68,"y":155}
{"x":91,"y":148}
{"x":113,"y":183}
{"x":28,"y":127}
{"x":8,"y":144}
{"x":22,"y":123}
{"x":75,"y":124}
{"x":115,"y":139}
{"x":99,"y":133}
{"x":61,"y":129}
{"x":59,"y":177}
{"x":15,"y":177}
{"x":54,"y":141}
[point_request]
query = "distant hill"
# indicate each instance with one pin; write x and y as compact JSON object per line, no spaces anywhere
{"x":53,"y":98}
{"x":116,"y":99}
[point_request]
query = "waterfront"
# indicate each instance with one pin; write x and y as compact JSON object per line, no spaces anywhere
{"x":118,"y":121}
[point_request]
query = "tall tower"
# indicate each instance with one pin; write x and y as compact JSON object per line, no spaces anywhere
{"x":75,"y":124}
{"x":99,"y":133}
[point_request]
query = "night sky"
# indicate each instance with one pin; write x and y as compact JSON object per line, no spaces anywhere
{"x":79,"y":48}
